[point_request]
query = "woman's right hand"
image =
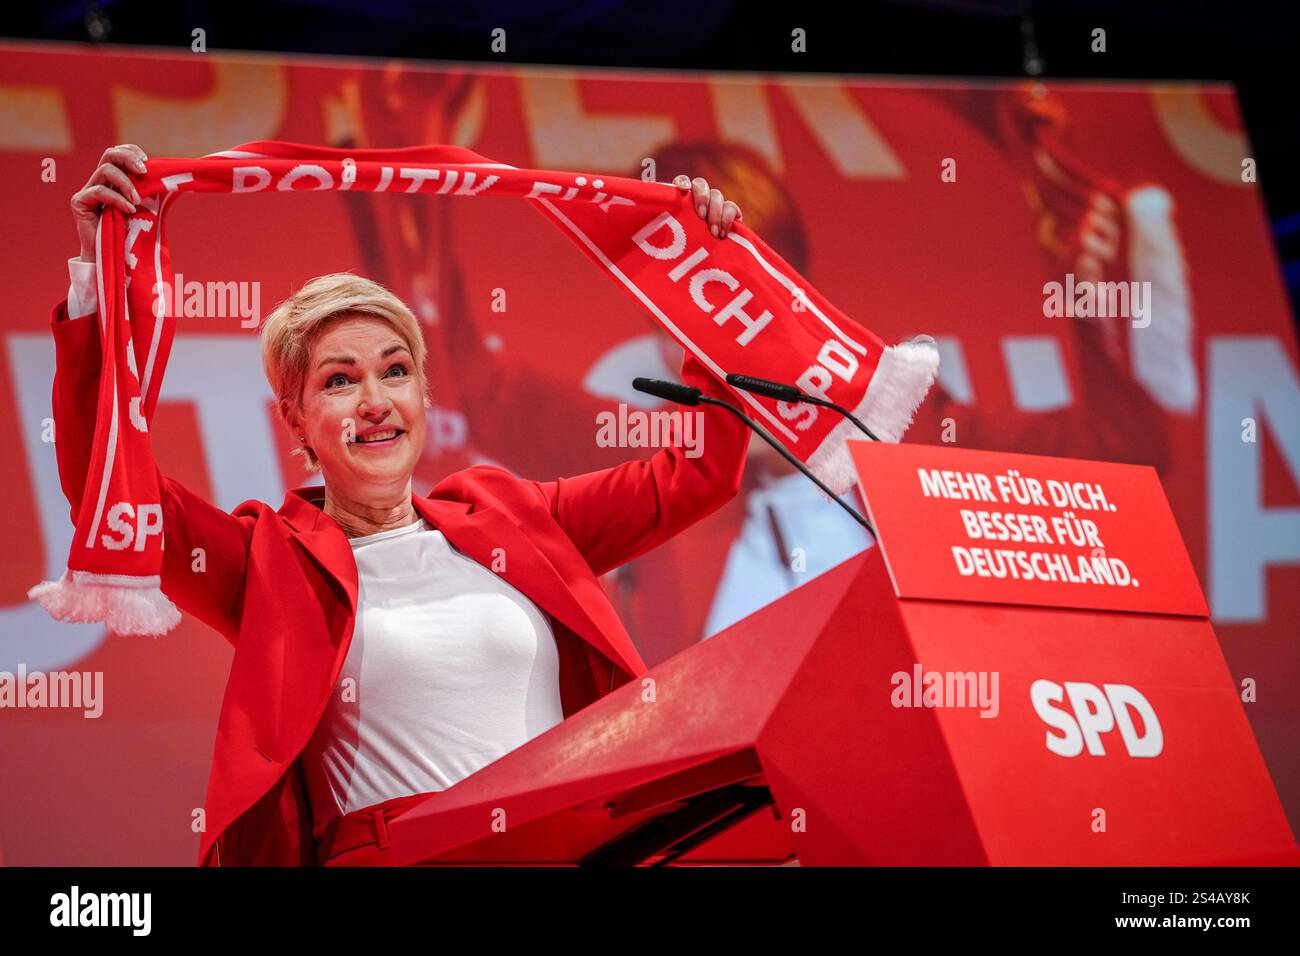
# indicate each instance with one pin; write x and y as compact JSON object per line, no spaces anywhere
{"x":107,"y":185}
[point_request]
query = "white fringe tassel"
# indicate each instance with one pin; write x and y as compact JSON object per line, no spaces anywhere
{"x":1162,"y":351}
{"x":128,"y":605}
{"x":903,"y":377}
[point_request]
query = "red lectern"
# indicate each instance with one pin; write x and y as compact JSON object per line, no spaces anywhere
{"x":1023,"y":673}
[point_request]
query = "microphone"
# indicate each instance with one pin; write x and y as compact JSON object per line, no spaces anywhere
{"x":789,"y":393}
{"x":762,"y":386}
{"x":669,"y":391}
{"x":686,"y":395}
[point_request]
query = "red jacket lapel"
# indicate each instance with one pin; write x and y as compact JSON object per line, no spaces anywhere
{"x":323,"y":539}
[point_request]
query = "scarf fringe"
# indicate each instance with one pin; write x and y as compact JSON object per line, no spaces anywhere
{"x":904,"y":376}
{"x":126,"y":604}
{"x":1162,"y":351}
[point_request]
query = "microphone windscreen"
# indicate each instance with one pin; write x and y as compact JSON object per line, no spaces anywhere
{"x":669,"y":391}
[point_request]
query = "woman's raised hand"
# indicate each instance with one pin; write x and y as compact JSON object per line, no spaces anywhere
{"x":107,"y":185}
{"x":710,"y":206}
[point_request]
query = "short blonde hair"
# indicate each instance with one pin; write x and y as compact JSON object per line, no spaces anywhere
{"x":294,"y":324}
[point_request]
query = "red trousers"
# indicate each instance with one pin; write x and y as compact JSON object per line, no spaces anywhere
{"x":360,"y":838}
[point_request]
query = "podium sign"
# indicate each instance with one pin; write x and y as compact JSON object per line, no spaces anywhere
{"x":989,"y":527}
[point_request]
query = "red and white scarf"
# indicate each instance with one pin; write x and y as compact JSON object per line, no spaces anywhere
{"x":733,"y":302}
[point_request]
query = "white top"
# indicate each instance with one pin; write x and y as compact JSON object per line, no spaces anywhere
{"x":83,"y":297}
{"x":450,"y":667}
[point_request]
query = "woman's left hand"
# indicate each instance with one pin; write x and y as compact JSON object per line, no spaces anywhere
{"x":709,"y":205}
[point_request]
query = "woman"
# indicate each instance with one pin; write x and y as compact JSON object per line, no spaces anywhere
{"x":468,"y":621}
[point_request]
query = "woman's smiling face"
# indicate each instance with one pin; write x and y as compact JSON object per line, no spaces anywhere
{"x":363,"y":406}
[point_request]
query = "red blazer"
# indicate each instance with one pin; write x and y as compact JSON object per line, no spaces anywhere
{"x":281,"y":586}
